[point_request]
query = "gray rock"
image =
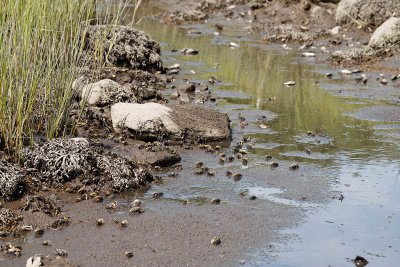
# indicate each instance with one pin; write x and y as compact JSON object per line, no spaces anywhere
{"x":158,"y":157}
{"x":389,"y":31}
{"x":186,"y":87}
{"x":125,"y":47}
{"x":365,"y":13}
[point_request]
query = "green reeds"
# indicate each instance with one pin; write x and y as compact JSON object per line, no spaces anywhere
{"x":41,"y":48}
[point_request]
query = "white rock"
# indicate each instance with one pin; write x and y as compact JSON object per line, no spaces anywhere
{"x":389,"y":29}
{"x":346,"y":71}
{"x":308,"y":54}
{"x":175,"y":66}
{"x":335,"y":30}
{"x":34,"y":261}
{"x":145,"y":118}
{"x":233,"y":45}
{"x":290,"y":83}
{"x":93,"y":92}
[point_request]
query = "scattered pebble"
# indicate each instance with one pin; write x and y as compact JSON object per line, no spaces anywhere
{"x":61,"y":252}
{"x":233,"y":45}
{"x":124,"y":223}
{"x":384,"y":81}
{"x":253,"y":198}
{"x":27,"y":228}
{"x":199,"y":164}
{"x":274,"y":165}
{"x":46,"y":243}
{"x":136,"y":210}
{"x":216,"y":241}
{"x":136,"y":203}
{"x":289,"y":83}
{"x":237,"y":177}
{"x":308,"y":54}
{"x":215,"y":201}
{"x":211,"y":173}
{"x":158,"y":194}
{"x":360,"y":261}
{"x":39,"y":232}
{"x":100,"y":222}
{"x":294,"y":166}
{"x":345,"y":71}
{"x":129,"y":254}
{"x":189,"y":51}
{"x":11,"y":249}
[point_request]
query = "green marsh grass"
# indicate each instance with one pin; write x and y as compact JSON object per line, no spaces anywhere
{"x":41,"y":50}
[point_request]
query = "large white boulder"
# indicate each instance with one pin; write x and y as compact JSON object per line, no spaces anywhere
{"x":149,"y":118}
{"x":389,"y":30}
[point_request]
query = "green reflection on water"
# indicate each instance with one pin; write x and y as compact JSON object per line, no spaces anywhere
{"x":260,"y":74}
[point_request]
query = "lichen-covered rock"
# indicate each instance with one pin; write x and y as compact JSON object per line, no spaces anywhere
{"x":388,"y":32}
{"x":365,"y":13}
{"x":11,"y":181}
{"x":125,"y":47}
{"x":106,"y":92}
{"x":7,"y":219}
{"x":62,"y":160}
{"x":41,"y":203}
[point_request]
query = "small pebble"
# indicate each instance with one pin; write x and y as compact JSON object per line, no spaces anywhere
{"x":46,"y":243}
{"x":216,"y":241}
{"x":136,"y":210}
{"x":211,"y":173}
{"x":158,"y":194}
{"x":289,"y":83}
{"x":237,"y":177}
{"x":294,"y":166}
{"x":39,"y":232}
{"x":129,"y":254}
{"x":274,"y":165}
{"x":61,"y":253}
{"x":215,"y":201}
{"x":100,"y":222}
{"x":199,"y":164}
{"x":253,"y":198}
{"x":136,"y":203}
{"x":124,"y":223}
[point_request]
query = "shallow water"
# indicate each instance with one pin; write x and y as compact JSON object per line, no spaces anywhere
{"x":359,"y":151}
